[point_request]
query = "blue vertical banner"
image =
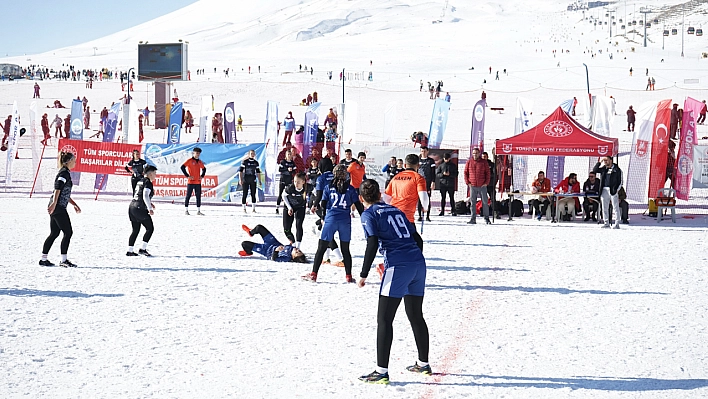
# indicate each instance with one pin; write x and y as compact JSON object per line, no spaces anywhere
{"x":77,"y":131}
{"x":438,"y":122}
{"x":229,"y":124}
{"x":477,"y":136}
{"x":270,"y":137}
{"x":175,"y":128}
{"x":109,"y":134}
{"x":310,"y":135}
{"x":555,"y":168}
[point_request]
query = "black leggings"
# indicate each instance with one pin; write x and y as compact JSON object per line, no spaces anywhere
{"x":444,"y":192}
{"x":246,"y":187}
{"x":384,"y":332}
{"x":248,"y":245}
{"x":197,"y":189}
{"x":59,"y":222}
{"x":280,"y":193}
{"x":322,"y":248}
{"x":298,"y":217}
{"x":140,"y":217}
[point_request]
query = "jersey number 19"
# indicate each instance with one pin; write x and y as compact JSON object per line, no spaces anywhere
{"x":399,"y":222}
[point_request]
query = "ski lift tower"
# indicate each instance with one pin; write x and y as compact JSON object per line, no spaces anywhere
{"x":645,"y":11}
{"x":611,"y":18}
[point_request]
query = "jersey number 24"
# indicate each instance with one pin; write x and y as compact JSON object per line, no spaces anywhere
{"x":341,"y":198}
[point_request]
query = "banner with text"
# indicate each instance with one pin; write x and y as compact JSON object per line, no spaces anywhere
{"x":229,"y":124}
{"x":477,"y":137}
{"x":222,"y":161}
{"x":97,"y":157}
{"x":76,"y":132}
{"x":684,"y":161}
{"x":700,"y":166}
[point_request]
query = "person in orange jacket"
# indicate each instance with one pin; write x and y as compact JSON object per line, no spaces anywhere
{"x":540,"y":185}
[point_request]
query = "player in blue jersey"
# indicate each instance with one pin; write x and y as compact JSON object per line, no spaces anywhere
{"x":325,"y":166}
{"x":337,"y":198}
{"x":271,"y":247}
{"x":388,"y":229}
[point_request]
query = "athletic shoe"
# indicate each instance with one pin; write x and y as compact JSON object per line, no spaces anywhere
{"x":487,"y":220}
{"x":199,"y":213}
{"x":243,"y":253}
{"x":277,"y":211}
{"x":310,"y":277}
{"x":67,"y":263}
{"x":144,"y":252}
{"x":375,"y":378}
{"x":247,"y":230}
{"x":253,"y":210}
{"x":587,"y":217}
{"x":538,"y":218}
{"x":472,"y":221}
{"x":441,"y":214}
{"x":454,"y":214}
{"x":380,"y":269}
{"x":616,"y":226}
{"x":427,"y":219}
{"x":350,"y":279}
{"x":418,"y":369}
{"x":46,"y":263}
{"x":186,"y":213}
{"x":130,"y":254}
{"x":244,"y":210}
{"x":606,"y":226}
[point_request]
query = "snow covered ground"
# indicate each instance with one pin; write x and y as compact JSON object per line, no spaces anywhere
{"x":519,"y":309}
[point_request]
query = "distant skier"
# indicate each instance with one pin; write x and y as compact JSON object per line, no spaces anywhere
{"x":36,"y":90}
{"x":447,"y":97}
{"x":421,"y":85}
{"x":631,"y":118}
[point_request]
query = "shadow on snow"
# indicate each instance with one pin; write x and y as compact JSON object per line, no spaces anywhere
{"x":60,"y":294}
{"x":564,"y":291}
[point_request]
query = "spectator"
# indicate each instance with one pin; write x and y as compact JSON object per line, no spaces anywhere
{"x":297,"y":158}
{"x":329,"y":153}
{"x":675,"y":118}
{"x":36,"y":90}
{"x":390,"y":170}
{"x":146,"y":114}
{"x":447,"y":176}
{"x":610,"y":182}
{"x":568,"y":185}
{"x":491,"y":192}
{"x":67,"y":125}
{"x":87,"y":118}
{"x":348,"y":160}
{"x":702,"y":116}
{"x":289,"y":123}
{"x":447,"y":96}
{"x":45,"y":127}
{"x":540,"y":185}
{"x":357,"y":171}
{"x":217,"y":128}
{"x":591,"y":188}
{"x":426,"y":168}
{"x":477,"y":179}
{"x":281,"y":154}
{"x":575,"y":104}
{"x":631,"y":118}
{"x":315,"y":156}
{"x":57,"y":122}
{"x":189,"y":121}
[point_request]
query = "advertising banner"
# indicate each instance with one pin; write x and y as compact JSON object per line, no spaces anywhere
{"x":222,"y":161}
{"x":555,"y":168}
{"x":175,"y":128}
{"x":76,"y":132}
{"x":438,"y":123}
{"x":640,"y":157}
{"x":700,"y":166}
{"x":204,"y":114}
{"x":684,"y":160}
{"x":100,"y":158}
{"x":35,"y":137}
{"x":229,"y":124}
{"x":270,"y":137}
{"x":522,"y":122}
{"x":477,"y":137}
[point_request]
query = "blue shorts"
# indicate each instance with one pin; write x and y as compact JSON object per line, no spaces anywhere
{"x":344,"y":227}
{"x":399,"y":281}
{"x":269,"y":244}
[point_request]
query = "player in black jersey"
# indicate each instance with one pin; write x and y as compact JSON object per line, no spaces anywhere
{"x":249,"y":172}
{"x":313,"y":172}
{"x":287,"y":170}
{"x":59,"y":218}
{"x":140,"y":210}
{"x":348,"y":160}
{"x":136,"y":168}
{"x":295,"y":198}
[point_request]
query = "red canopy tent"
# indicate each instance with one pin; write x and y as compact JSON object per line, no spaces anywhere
{"x":558,"y":135}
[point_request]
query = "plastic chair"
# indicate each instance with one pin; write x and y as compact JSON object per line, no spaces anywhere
{"x":666,"y":193}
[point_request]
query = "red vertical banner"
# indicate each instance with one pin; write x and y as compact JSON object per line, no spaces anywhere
{"x":659,"y":148}
{"x":684,"y":160}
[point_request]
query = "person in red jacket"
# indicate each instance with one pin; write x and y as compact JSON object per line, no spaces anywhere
{"x":67,"y":126}
{"x":477,"y":178}
{"x":541,"y":185}
{"x":45,"y":129}
{"x":568,"y":185}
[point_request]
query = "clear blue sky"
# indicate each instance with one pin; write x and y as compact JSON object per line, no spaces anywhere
{"x":36,"y":27}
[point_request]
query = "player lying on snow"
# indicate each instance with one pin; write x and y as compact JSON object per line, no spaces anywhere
{"x":271,"y":247}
